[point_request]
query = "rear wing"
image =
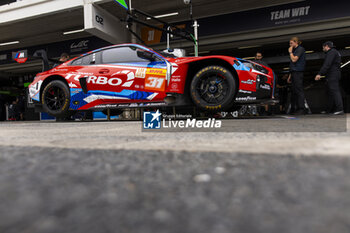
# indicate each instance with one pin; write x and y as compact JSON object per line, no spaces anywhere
{"x":41,"y":54}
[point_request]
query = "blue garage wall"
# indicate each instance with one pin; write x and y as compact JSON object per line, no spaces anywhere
{"x":271,"y":17}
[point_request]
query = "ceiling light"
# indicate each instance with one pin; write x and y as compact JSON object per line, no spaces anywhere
{"x":347,"y":47}
{"x":287,"y":68}
{"x":72,"y":32}
{"x":310,"y":51}
{"x":165,"y":15}
{"x":9,"y":43}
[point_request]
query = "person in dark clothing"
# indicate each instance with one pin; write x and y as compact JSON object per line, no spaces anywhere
{"x":14,"y":114}
{"x":259,"y":59}
{"x":64,"y":57}
{"x":331,"y":69}
{"x":297,"y":67}
{"x":21,"y":106}
{"x":283,"y":89}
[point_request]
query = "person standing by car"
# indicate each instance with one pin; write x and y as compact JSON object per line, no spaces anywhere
{"x":259,"y":59}
{"x":297,"y":68}
{"x":331,"y":68}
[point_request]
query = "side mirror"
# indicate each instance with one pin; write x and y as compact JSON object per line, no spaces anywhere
{"x":146,"y":55}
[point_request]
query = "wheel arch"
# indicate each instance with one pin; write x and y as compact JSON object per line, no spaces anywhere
{"x":195,"y":66}
{"x":50,"y":79}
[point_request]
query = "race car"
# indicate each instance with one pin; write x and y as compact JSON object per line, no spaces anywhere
{"x":130,"y":75}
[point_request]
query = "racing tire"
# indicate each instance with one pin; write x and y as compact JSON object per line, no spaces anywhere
{"x":56,"y":99}
{"x":213,"y":88}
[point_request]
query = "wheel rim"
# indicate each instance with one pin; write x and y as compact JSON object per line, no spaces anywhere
{"x":55,"y":98}
{"x":212,"y":88}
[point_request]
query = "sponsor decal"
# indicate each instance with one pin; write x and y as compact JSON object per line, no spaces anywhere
{"x":79,"y":46}
{"x":140,"y":73}
{"x":100,"y":80}
{"x":174,"y":86}
{"x":249,"y":81}
{"x":245,"y":92}
{"x":156,"y":71}
{"x":21,"y":56}
{"x":265,"y":86}
{"x":248,"y":98}
{"x":290,"y":13}
{"x":72,"y":85}
{"x":132,"y":105}
{"x":154,"y":104}
{"x":175,"y":79}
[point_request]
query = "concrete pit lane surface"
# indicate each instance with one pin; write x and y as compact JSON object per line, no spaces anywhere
{"x":112,"y":177}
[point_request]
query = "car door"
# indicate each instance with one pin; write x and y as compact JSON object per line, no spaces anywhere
{"x":128,"y":74}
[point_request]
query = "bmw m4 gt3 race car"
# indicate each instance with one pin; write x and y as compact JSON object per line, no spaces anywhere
{"x":130,"y":75}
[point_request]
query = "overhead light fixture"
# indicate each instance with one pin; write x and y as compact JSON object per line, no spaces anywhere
{"x":9,"y":43}
{"x":249,"y":47}
{"x":163,"y":16}
{"x":311,"y":51}
{"x":347,"y":47}
{"x":248,"y":58}
{"x":72,"y":32}
{"x":287,"y":68}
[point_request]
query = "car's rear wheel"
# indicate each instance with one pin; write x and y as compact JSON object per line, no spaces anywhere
{"x":213,"y":88}
{"x":56,"y":99}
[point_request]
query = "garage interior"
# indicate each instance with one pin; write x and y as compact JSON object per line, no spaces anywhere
{"x":272,"y":42}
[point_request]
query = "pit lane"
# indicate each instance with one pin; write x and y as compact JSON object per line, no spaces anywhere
{"x":280,"y":134}
{"x":112,"y":177}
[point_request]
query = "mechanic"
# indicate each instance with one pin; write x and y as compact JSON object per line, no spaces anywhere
{"x":331,"y":69}
{"x":259,"y":59}
{"x":297,"y":67}
{"x":64,"y":57}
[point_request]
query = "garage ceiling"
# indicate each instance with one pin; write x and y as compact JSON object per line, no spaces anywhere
{"x":42,"y":30}
{"x":201,"y":8}
{"x":49,"y":28}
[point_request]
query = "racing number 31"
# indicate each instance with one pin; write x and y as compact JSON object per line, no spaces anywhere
{"x":155,"y":83}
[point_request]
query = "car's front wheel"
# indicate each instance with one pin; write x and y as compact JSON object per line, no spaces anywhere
{"x":56,"y":99}
{"x":213,"y":88}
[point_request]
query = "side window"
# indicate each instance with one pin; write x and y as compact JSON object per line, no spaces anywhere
{"x":86,"y":60}
{"x":121,"y":55}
